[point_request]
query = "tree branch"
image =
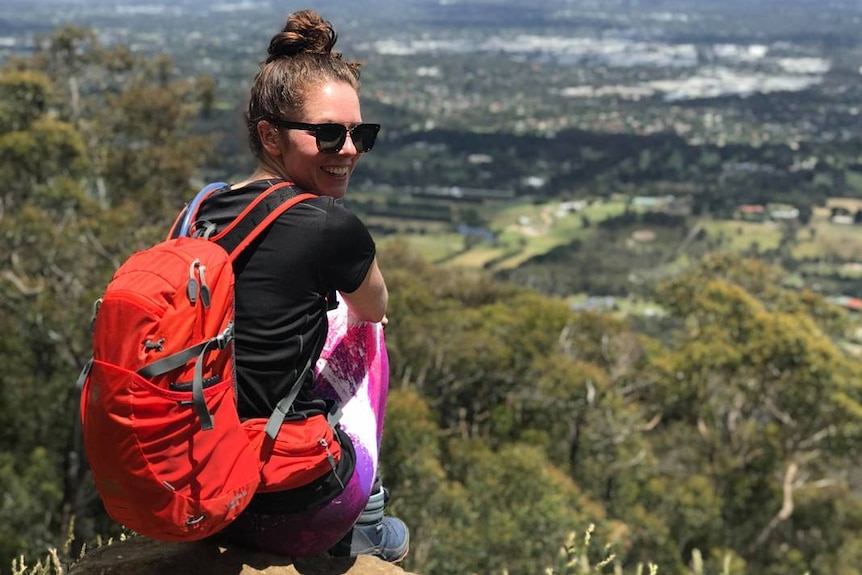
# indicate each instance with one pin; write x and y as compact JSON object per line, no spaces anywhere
{"x":16,"y":281}
{"x":786,"y":507}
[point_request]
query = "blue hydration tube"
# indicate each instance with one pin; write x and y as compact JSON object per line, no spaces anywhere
{"x":192,"y":208}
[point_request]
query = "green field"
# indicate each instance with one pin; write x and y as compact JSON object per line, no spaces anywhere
{"x":828,"y":254}
{"x":744,"y":237}
{"x":522,"y":231}
{"x":825,"y":240}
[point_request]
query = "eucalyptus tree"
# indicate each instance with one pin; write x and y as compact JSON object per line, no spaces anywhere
{"x":757,"y":399}
{"x":99,"y":154}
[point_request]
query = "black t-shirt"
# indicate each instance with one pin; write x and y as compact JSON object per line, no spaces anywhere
{"x":283,"y":282}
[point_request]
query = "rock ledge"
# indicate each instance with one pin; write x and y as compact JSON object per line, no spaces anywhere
{"x":140,"y":556}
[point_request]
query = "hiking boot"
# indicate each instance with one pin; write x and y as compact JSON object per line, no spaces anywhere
{"x":388,"y":539}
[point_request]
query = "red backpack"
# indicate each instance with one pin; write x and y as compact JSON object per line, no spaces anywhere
{"x":170,"y":457}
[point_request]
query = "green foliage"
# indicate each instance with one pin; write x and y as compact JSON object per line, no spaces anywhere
{"x":24,"y":97}
{"x":97,"y":159}
{"x":466,"y":511}
{"x":770,"y":405}
{"x":704,"y":447}
{"x":411,"y":465}
{"x":523,"y":509}
{"x":31,"y":495}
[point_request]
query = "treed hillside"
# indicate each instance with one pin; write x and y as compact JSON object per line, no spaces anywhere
{"x":727,"y":428}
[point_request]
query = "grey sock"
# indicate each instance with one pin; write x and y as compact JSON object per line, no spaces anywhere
{"x":373,"y":512}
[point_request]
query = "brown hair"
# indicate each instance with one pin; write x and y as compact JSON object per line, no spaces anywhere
{"x":299,"y":56}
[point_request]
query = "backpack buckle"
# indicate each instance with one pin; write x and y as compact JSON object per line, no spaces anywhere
{"x":225,"y":337}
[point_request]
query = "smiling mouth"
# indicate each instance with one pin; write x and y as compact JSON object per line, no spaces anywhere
{"x":338,"y":172}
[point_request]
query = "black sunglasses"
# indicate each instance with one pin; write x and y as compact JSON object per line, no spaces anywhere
{"x":331,"y":137}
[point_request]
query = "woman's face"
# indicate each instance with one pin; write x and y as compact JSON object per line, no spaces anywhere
{"x":308,"y":168}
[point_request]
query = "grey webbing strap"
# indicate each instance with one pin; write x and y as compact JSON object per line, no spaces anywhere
{"x":281,"y":410}
{"x":275,"y":420}
{"x":173,"y":361}
{"x":82,"y":377}
{"x":181,"y":358}
{"x":334,"y":416}
{"x":198,"y":389}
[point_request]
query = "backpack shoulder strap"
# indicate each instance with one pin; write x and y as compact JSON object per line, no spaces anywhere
{"x":237,"y":235}
{"x":258,"y":216}
{"x":241,"y":232}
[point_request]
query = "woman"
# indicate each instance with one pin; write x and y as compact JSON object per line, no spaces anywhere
{"x":305,"y":127}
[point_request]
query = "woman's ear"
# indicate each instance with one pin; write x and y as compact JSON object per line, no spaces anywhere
{"x":270,"y":138}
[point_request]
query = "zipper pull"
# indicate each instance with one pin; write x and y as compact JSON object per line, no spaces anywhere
{"x":331,"y":460}
{"x":205,"y":289}
{"x":192,"y":287}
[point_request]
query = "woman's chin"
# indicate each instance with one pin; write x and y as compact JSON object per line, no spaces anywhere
{"x":336,"y":192}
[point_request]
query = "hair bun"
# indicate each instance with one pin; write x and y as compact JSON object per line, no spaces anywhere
{"x":305,"y":32}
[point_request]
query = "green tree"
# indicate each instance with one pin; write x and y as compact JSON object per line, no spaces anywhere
{"x":466,"y":511}
{"x":99,"y":160}
{"x":768,"y":402}
{"x":523,"y":369}
{"x":716,"y":445}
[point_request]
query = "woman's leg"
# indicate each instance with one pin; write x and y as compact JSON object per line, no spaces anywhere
{"x":375,"y":533}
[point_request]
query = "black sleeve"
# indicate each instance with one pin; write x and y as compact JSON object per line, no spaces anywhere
{"x":348,"y":252}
